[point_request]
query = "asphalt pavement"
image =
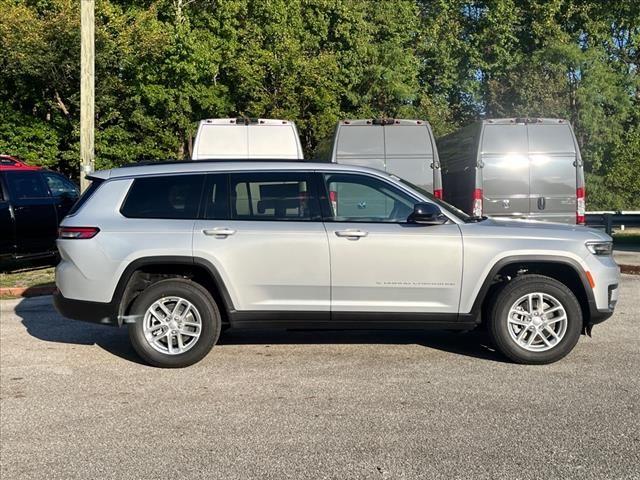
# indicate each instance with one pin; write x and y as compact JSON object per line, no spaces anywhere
{"x":75,"y":402}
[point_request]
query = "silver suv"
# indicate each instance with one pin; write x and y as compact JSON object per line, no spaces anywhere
{"x":180,"y":251}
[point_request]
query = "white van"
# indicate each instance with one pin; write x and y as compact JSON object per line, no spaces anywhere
{"x":405,"y":148}
{"x":247,"y":138}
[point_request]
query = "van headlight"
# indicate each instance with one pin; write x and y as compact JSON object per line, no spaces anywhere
{"x":600,"y":248}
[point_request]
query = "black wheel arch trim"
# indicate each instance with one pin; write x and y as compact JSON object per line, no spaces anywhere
{"x":592,"y":311}
{"x":118,"y":305}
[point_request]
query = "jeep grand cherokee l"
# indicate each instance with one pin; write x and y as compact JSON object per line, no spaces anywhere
{"x":179,"y":251}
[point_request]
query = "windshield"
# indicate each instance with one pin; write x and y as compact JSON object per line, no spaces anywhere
{"x":443,"y":205}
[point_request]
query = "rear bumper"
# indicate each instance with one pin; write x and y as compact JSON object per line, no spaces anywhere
{"x":94,"y":312}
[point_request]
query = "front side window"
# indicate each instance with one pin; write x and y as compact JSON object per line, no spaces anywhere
{"x":170,"y":197}
{"x":27,"y":185}
{"x":59,"y":186}
{"x":286,"y":196}
{"x":360,"y":198}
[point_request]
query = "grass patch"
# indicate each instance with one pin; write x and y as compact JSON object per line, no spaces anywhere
{"x":630,"y":236}
{"x":27,"y":278}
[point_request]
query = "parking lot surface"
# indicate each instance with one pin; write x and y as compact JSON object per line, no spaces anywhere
{"x":76,"y":403}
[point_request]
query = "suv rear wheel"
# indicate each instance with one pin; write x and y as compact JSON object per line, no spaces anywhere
{"x":535,"y":320}
{"x":177,"y":323}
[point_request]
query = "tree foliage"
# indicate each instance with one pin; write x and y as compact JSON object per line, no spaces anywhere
{"x":161,"y":65}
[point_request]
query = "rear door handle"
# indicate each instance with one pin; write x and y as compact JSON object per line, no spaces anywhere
{"x":541,"y":203}
{"x":219,"y":231}
{"x":354,"y":234}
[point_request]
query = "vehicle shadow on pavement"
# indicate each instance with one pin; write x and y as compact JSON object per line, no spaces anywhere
{"x":471,"y":344}
{"x":43,"y":322}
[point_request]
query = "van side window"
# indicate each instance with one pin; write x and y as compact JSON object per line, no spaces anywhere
{"x":25,"y":185}
{"x":170,"y":197}
{"x":360,"y":198}
{"x":286,"y":196}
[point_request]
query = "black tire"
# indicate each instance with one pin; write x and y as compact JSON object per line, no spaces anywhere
{"x":498,"y":314}
{"x":201,"y":300}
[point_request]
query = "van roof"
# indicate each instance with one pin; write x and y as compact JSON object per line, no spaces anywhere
{"x":527,"y":120}
{"x":245,"y":121}
{"x":203,"y":166}
{"x":382,"y":121}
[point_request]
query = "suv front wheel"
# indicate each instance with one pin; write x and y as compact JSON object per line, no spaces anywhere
{"x":176,"y":323}
{"x":535,"y":320}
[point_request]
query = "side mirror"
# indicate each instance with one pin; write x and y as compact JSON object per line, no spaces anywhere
{"x":427,"y":214}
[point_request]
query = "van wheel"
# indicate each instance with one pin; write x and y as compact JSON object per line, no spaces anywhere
{"x":535,"y":320}
{"x":176,"y":324}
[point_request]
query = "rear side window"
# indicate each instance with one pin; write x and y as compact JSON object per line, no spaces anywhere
{"x":95,"y":183}
{"x":273,"y":196}
{"x":27,"y":185}
{"x":170,"y":197}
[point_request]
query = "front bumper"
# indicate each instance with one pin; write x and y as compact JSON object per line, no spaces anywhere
{"x":600,"y":315}
{"x":94,"y":312}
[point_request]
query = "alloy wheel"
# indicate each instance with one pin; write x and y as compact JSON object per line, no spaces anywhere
{"x":172,"y":325}
{"x":537,"y":322}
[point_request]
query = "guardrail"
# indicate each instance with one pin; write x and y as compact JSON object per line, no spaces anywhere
{"x":609,"y":220}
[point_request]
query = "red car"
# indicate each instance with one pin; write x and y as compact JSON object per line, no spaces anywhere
{"x":8,"y":162}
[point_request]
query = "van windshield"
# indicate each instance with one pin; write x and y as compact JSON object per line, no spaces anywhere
{"x":443,"y":205}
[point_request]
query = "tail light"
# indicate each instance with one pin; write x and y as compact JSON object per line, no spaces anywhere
{"x":438,"y":193}
{"x":476,"y":209}
{"x":77,"y":233}
{"x":333,"y":198}
{"x":580,"y":206}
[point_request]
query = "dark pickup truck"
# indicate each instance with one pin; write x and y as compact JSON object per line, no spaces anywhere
{"x":33,"y":201}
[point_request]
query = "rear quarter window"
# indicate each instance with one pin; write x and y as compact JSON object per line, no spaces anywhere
{"x":86,"y":195}
{"x":169,"y":197}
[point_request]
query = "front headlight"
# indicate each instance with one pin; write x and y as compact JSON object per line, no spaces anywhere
{"x":600,"y":248}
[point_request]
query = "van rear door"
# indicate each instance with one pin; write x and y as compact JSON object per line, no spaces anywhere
{"x":552,"y":154}
{"x":243,"y":138}
{"x":361,"y":145}
{"x":505,"y":170}
{"x":409,"y":154}
{"x":273,"y":139}
{"x":216,"y":140}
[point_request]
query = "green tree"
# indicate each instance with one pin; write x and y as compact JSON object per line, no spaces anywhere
{"x":162,"y":65}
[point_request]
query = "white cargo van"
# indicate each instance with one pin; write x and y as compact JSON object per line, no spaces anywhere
{"x":405,"y":148}
{"x":245,"y":138}
{"x":515,"y":167}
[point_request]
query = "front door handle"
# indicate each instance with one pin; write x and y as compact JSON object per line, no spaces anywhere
{"x":219,"y":231}
{"x":351,"y":234}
